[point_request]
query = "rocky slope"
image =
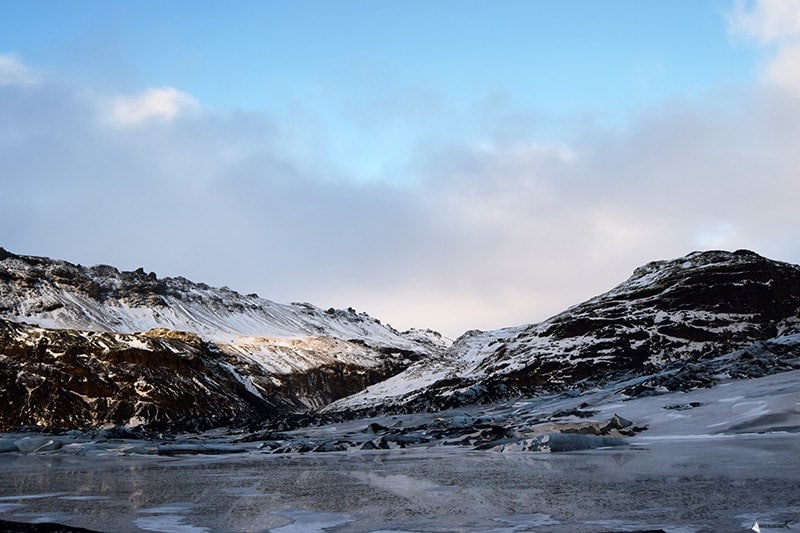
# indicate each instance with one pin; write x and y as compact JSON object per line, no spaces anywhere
{"x":81,"y":347}
{"x":86,"y":346}
{"x":668,"y":315}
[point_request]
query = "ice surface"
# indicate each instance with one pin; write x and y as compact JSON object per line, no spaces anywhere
{"x":5,"y":507}
{"x":167,"y":524}
{"x":303,"y":521}
{"x":713,"y":459}
{"x":697,"y":485}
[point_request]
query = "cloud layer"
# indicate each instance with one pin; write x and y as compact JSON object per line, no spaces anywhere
{"x":774,"y":23}
{"x":12,"y":72}
{"x":487,"y":232}
{"x":766,"y":20}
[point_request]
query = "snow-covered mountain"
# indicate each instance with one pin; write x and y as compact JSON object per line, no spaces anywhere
{"x":127,"y":324}
{"x":666,"y":316}
{"x":60,"y":295}
{"x":88,"y":346}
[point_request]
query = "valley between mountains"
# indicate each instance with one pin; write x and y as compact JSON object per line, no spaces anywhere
{"x":92,"y":353}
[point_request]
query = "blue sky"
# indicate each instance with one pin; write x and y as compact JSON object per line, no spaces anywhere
{"x":382,"y":76}
{"x":452,"y":165}
{"x":262,"y":55}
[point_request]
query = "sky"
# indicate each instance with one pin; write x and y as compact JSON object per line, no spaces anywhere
{"x":452,"y":165}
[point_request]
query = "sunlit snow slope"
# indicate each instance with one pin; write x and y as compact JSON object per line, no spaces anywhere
{"x":287,"y":355}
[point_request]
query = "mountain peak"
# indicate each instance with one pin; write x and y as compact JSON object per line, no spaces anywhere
{"x":698,"y":259}
{"x":695,"y":307}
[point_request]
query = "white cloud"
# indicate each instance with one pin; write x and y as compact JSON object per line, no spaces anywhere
{"x":162,"y":104}
{"x":13,"y":72}
{"x":776,"y":23}
{"x":783,"y":70}
{"x":768,"y":21}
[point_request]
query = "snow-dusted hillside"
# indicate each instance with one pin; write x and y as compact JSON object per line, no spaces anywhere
{"x":91,"y":338}
{"x":697,"y":307}
{"x":58,"y":294}
{"x":289,"y":355}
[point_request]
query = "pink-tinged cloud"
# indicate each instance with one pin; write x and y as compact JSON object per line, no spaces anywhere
{"x":162,"y":104}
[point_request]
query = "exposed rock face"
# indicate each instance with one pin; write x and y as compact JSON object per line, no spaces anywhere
{"x":699,"y":307}
{"x":76,"y":379}
{"x":669,"y":312}
{"x":86,"y":346}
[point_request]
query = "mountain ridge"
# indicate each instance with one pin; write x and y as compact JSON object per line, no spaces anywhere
{"x":699,"y":306}
{"x":672,"y":325}
{"x":59,"y":294}
{"x":273,"y":359}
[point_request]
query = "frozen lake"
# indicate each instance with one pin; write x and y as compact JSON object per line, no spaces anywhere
{"x":678,"y":484}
